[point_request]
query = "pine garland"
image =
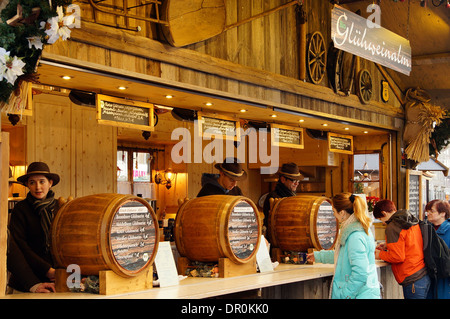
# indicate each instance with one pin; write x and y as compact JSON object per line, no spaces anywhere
{"x":14,"y":38}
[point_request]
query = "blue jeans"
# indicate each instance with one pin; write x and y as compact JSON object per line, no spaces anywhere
{"x":418,"y":289}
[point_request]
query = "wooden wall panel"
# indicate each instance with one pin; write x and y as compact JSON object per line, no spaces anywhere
{"x":67,"y":137}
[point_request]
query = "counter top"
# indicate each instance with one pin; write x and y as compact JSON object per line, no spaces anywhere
{"x":197,"y":288}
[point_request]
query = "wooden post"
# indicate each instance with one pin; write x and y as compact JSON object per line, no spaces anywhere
{"x":4,"y":191}
{"x":302,"y":49}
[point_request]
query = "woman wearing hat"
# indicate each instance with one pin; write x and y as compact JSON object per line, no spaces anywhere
{"x":30,"y":228}
{"x":230,"y":171}
{"x":289,"y":177}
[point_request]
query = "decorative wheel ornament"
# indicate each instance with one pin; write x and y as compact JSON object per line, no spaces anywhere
{"x":364,"y":86}
{"x":316,"y":57}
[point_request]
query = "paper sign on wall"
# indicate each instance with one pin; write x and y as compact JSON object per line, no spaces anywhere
{"x":165,"y":265}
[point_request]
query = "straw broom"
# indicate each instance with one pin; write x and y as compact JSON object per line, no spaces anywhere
{"x":429,"y":115}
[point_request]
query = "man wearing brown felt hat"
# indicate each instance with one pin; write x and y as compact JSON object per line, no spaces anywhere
{"x":230,"y":172}
{"x":289,"y":177}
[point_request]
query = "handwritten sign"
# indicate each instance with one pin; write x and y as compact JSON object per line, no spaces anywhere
{"x":165,"y":265}
{"x":133,"y":236}
{"x":218,"y":126}
{"x":327,"y":227}
{"x":126,"y":113}
{"x":340,"y":143}
{"x":350,"y":33}
{"x":414,"y":194}
{"x":243,"y":230}
{"x":286,"y":136}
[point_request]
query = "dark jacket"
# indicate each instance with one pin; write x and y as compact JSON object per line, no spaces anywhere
{"x":280,"y":191}
{"x":210,"y":186}
{"x":28,"y":258}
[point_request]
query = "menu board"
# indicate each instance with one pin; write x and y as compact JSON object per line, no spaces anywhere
{"x":243,"y":229}
{"x":340,"y":143}
{"x":127,"y":113}
{"x":326,"y":224}
{"x":218,"y":126}
{"x":133,"y":236}
{"x":286,"y":136}
{"x":414,"y":198}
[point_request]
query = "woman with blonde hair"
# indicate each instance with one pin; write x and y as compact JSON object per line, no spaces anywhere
{"x":355,"y":275}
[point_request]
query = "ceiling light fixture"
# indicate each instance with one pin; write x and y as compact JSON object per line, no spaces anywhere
{"x":66,"y":77}
{"x":169,"y":96}
{"x":122,"y":88}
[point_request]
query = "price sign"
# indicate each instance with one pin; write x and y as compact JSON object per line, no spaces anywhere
{"x":125,"y":113}
{"x":286,"y":136}
{"x":340,"y":143}
{"x":133,"y":236}
{"x":218,"y":126}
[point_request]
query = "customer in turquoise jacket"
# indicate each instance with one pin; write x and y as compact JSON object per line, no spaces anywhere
{"x":355,"y":275}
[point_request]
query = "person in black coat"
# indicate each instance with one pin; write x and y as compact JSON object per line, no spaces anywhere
{"x":289,"y":177}
{"x":230,"y":172}
{"x":29,"y":256}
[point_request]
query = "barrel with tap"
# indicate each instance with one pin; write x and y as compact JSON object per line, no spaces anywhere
{"x":300,"y":222}
{"x":106,"y":232}
{"x":218,"y":226}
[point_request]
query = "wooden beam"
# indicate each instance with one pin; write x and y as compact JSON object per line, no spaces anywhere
{"x":4,"y":190}
{"x":428,"y":59}
{"x":120,"y":41}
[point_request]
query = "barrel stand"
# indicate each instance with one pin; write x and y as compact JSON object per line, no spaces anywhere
{"x":109,"y":282}
{"x":227,"y":268}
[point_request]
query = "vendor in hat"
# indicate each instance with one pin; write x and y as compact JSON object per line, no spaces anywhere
{"x":230,"y":172}
{"x":288,"y":178}
{"x":30,"y":228}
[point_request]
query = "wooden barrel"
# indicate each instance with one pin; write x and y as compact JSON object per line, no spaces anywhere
{"x":300,"y":222}
{"x":218,"y":226}
{"x":106,"y":232}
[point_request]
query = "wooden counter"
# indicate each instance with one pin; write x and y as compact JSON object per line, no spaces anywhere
{"x":286,"y":281}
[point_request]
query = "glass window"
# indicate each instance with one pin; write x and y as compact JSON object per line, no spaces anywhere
{"x":366,"y":174}
{"x":122,"y":166}
{"x":141,"y":167}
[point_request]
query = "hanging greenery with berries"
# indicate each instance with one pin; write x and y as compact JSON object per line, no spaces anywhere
{"x":25,"y":27}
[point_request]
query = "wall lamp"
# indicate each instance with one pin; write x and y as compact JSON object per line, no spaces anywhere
{"x":168,"y":178}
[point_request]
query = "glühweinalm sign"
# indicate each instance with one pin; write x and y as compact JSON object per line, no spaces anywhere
{"x":351,"y":33}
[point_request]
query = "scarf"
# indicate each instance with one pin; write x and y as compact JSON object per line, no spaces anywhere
{"x":45,"y":210}
{"x":283,"y":191}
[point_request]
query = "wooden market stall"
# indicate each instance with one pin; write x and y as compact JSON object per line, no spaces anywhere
{"x":132,"y":81}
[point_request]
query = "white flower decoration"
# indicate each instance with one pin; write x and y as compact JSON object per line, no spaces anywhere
{"x":10,"y":68}
{"x":60,"y":26}
{"x":35,"y":41}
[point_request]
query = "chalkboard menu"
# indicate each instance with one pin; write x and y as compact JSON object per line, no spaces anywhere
{"x":133,"y":236}
{"x":414,"y":194}
{"x":218,"y":126}
{"x":243,"y":233}
{"x":326,"y":224}
{"x":286,"y":136}
{"x":126,"y":113}
{"x":340,"y":143}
